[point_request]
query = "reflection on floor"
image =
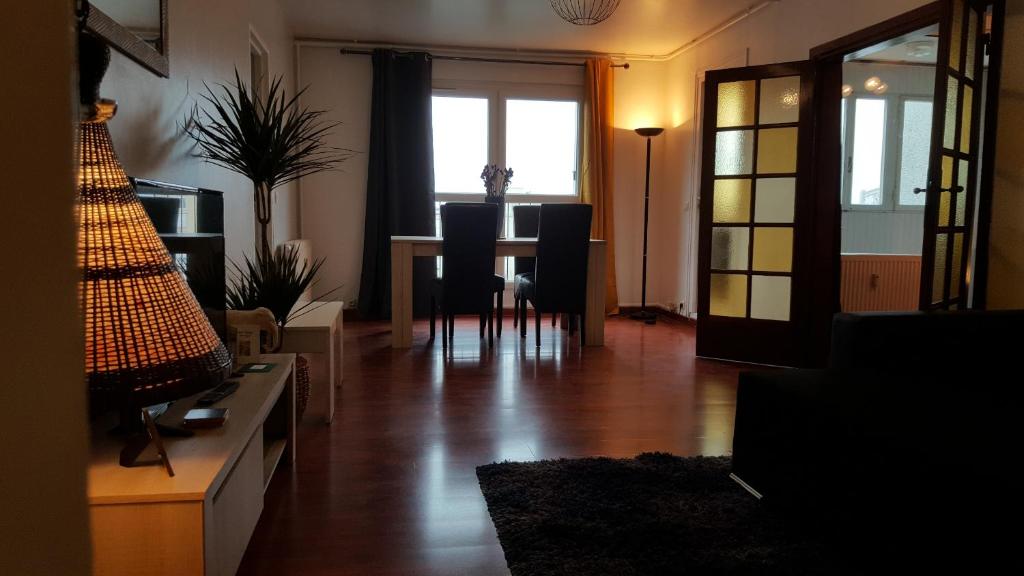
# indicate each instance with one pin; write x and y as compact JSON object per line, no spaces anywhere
{"x":390,"y":487}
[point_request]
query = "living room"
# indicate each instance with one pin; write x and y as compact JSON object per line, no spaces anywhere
{"x":634,"y":426}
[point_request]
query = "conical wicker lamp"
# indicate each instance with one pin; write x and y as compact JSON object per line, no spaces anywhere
{"x":146,"y":338}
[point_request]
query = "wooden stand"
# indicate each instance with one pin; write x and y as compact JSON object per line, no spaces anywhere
{"x":199,"y":521}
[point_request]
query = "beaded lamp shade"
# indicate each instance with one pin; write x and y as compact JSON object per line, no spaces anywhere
{"x":584,"y":12}
{"x":146,"y":338}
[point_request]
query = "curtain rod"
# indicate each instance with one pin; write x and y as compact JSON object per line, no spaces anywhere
{"x":624,"y":66}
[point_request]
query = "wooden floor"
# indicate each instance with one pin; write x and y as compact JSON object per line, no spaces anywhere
{"x":390,"y":487}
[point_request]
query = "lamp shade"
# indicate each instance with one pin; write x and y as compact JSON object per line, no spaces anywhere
{"x":146,"y":338}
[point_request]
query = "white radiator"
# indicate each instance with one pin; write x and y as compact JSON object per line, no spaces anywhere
{"x":878,"y":282}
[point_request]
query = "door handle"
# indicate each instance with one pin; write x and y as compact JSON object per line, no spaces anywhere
{"x":951,"y":189}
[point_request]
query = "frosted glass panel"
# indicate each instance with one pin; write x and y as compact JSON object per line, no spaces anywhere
{"x":729,"y":248}
{"x":961,"y":197}
{"x":780,"y":100}
{"x":769,"y":297}
{"x":944,"y":205}
{"x":729,"y":295}
{"x":965,"y":124}
{"x":868,"y":148}
{"x":916,"y":134}
{"x":956,"y":36}
{"x":734,"y":152}
{"x":972,"y":40}
{"x":939,"y":281}
{"x":775,"y":202}
{"x":954,"y":277}
{"x":773,"y":249}
{"x":776,"y":151}
{"x":732,"y":201}
{"x":949,"y":134}
{"x":947,"y":171}
{"x":736,"y":104}
{"x":460,"y":143}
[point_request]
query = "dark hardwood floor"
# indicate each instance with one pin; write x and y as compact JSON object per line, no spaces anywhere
{"x":390,"y":488}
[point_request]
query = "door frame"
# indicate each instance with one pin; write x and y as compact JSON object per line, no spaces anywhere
{"x":828,"y":60}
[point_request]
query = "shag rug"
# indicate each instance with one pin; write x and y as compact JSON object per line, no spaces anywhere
{"x":655,"y":514}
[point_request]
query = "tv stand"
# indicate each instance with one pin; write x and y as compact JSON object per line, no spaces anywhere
{"x":198,"y":522}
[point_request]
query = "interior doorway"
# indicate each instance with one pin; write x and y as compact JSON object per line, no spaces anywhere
{"x":887,"y":110}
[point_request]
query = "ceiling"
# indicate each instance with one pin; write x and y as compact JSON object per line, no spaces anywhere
{"x":642,"y":27}
{"x":918,"y":48}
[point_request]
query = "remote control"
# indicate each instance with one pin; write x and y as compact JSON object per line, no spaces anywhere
{"x":217,"y":394}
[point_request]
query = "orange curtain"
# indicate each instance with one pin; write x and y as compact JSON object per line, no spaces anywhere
{"x":598,"y":177}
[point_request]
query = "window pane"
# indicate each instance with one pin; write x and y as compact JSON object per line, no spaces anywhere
{"x":541,"y":145}
{"x":769,"y":297}
{"x":776,"y":200}
{"x":868,"y":146}
{"x":776,"y":151}
{"x":728,"y":295}
{"x":780,"y":100}
{"x":729,"y":248}
{"x":732,"y":201}
{"x":736,"y":104}
{"x":460,"y":143}
{"x":915,"y":143}
{"x":734,"y":152}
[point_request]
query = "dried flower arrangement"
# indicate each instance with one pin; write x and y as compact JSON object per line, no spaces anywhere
{"x":496,"y":180}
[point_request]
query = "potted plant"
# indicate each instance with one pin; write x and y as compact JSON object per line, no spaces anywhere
{"x":271,"y":140}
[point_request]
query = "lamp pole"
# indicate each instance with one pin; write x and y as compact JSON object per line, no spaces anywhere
{"x":643,"y":314}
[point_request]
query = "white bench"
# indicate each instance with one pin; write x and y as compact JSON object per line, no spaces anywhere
{"x":317,"y":332}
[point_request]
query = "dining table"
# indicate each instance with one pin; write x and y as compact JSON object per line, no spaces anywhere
{"x":405,"y":248}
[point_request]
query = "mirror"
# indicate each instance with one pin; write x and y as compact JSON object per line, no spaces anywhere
{"x":136,"y":28}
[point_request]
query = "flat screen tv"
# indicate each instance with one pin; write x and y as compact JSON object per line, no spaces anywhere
{"x":190,"y":221}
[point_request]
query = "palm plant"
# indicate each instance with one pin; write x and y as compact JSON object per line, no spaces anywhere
{"x":272,"y":280}
{"x":267,"y":138}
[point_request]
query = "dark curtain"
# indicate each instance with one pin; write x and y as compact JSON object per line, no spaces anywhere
{"x":400,"y":179}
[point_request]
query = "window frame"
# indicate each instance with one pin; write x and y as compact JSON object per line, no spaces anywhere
{"x":497,"y":94}
{"x":892,"y":152}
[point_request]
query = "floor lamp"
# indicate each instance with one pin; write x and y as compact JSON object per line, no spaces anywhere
{"x":643,"y":314}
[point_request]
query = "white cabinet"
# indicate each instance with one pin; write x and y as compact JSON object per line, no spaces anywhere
{"x":198,"y":522}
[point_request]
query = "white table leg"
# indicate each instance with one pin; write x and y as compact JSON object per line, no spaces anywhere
{"x":401,"y":294}
{"x":596,"y":263}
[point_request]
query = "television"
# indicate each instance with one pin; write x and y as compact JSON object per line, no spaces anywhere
{"x":190,"y":221}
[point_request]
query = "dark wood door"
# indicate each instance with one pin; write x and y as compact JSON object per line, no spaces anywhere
{"x":755,"y":206}
{"x":953,"y":160}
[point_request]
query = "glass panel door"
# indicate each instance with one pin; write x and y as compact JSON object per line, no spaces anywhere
{"x":755,"y":129}
{"x":953,"y":159}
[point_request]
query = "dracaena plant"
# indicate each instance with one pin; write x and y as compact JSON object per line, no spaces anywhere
{"x":268,"y":138}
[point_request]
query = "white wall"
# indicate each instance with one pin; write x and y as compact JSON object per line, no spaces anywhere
{"x":43,"y":435}
{"x":1006,"y":246}
{"x":207,"y":41}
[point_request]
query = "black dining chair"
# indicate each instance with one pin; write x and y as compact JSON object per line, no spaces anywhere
{"x":526,"y":219}
{"x":559,"y":283}
{"x":467,"y":280}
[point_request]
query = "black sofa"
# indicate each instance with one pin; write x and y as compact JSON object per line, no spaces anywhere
{"x":905,"y":446}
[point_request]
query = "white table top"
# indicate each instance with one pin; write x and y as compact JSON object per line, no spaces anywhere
{"x":500,"y":241}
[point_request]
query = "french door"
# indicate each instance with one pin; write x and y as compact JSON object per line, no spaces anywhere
{"x":755,"y":195}
{"x":953,"y":159}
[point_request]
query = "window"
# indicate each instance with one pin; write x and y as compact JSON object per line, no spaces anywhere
{"x":533,"y":130}
{"x":866,"y":164}
{"x":886,"y":146}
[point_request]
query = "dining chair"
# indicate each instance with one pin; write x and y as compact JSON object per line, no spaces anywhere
{"x":559,"y":283}
{"x":525,"y":222}
{"x":467,"y":280}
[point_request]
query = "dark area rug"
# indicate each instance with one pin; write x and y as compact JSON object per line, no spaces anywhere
{"x":655,"y":514}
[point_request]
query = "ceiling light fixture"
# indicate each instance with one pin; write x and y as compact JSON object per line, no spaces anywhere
{"x":584,"y":12}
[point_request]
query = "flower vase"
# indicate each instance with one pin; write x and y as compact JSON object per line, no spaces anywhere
{"x":500,"y":201}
